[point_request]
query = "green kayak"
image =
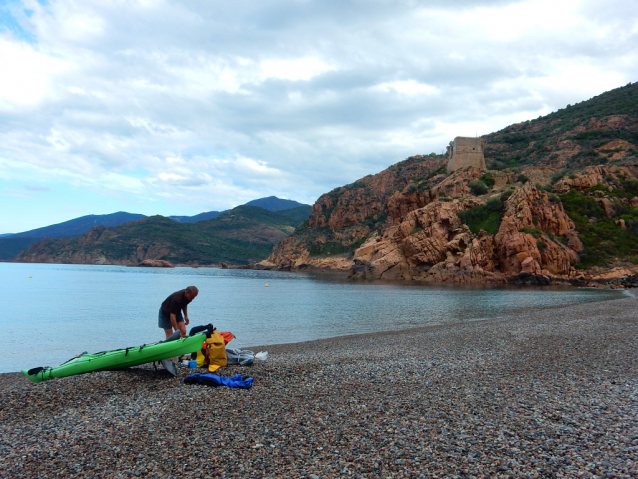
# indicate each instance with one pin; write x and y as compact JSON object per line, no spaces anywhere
{"x":118,"y":358}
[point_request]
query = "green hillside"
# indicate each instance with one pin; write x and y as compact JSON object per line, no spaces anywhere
{"x":296,"y":215}
{"x":240,"y":236}
{"x":11,"y":246}
{"x":254,"y":223}
{"x":582,"y":129}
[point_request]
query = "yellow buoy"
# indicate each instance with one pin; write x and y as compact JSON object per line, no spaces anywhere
{"x":266,"y":285}
{"x":30,"y":276}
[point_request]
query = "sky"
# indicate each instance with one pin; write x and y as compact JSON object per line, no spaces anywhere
{"x":181,"y":107}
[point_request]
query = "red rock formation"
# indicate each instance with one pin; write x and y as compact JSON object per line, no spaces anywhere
{"x":609,"y":207}
{"x":530,"y":208}
{"x":351,"y":205}
{"x":347,"y":215}
{"x":156,"y":263}
{"x":428,"y":243}
{"x":423,"y":237}
{"x":591,"y":176}
{"x":289,"y":255}
{"x":431,"y":243}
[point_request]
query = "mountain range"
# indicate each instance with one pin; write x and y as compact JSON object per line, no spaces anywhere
{"x":271,"y":203}
{"x":11,"y":245}
{"x":239,"y":236}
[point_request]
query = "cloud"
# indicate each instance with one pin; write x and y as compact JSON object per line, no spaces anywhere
{"x":36,"y":188}
{"x":219,"y":104}
{"x":407,"y":87}
{"x":27,"y":75}
{"x":297,"y":69}
{"x":16,"y":194}
{"x":188,"y":180}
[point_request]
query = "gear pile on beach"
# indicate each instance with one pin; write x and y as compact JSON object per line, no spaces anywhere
{"x":548,"y":393}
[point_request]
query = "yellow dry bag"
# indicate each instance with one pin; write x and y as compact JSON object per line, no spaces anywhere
{"x":213,"y":352}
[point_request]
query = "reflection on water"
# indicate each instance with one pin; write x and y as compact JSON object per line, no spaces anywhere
{"x":52,"y":312}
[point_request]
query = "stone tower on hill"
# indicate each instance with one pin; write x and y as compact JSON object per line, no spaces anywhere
{"x":464,"y":152}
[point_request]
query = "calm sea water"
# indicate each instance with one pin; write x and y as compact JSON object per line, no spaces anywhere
{"x":52,"y":312}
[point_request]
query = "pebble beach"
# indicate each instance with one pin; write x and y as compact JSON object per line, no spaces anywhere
{"x":548,"y":393}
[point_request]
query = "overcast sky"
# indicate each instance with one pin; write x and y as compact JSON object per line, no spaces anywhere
{"x":175,"y":108}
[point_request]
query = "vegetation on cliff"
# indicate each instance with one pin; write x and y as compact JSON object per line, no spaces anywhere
{"x":486,"y":217}
{"x":603,"y":238}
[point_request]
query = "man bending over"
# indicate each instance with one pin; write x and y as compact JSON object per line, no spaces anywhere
{"x":170,"y":313}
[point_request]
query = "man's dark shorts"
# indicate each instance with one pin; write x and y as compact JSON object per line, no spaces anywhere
{"x":164,"y":320}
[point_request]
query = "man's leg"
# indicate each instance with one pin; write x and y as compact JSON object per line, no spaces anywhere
{"x":174,"y":336}
{"x":181,"y":327}
{"x":165,"y":323}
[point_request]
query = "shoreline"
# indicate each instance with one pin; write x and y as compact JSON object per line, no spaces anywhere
{"x":627,"y":293}
{"x":550,"y":393}
{"x":612,"y":279}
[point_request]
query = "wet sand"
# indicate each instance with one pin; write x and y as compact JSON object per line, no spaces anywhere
{"x":549,"y":393}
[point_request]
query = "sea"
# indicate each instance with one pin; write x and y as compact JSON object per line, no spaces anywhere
{"x":51,"y":312}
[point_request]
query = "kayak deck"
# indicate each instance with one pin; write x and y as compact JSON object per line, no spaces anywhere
{"x":118,"y":358}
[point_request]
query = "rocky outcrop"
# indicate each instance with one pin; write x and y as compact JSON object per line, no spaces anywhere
{"x":288,"y":255}
{"x":614,"y":273}
{"x":238,"y":266}
{"x":529,"y":209}
{"x":429,"y":243}
{"x":156,"y":263}
{"x":591,"y":176}
{"x":355,"y":203}
{"x":432,"y":243}
{"x":630,"y":281}
{"x":342,"y":219}
{"x":422,"y":235}
{"x":609,"y":207}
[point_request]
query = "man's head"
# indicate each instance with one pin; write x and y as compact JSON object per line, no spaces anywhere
{"x":191,"y":292}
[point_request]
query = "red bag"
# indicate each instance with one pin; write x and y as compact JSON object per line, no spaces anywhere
{"x":228,"y":337}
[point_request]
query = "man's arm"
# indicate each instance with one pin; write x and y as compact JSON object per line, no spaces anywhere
{"x":186,"y":320}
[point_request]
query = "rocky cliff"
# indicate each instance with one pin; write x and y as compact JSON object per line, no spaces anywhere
{"x":425,"y":239}
{"x":341,"y":220}
{"x":432,"y":243}
{"x":560,"y":196}
{"x":425,"y":235}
